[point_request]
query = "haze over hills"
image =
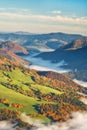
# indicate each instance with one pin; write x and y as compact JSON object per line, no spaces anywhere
{"x":40,"y":41}
{"x":69,"y":47}
{"x":74,"y":54}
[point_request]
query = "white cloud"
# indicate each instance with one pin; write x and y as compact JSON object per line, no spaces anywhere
{"x":44,"y":18}
{"x":56,"y":12}
{"x":78,"y":122}
{"x":40,"y":27}
{"x":41,"y":23}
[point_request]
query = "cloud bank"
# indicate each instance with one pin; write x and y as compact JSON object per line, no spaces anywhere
{"x":23,"y":19}
{"x":6,"y":125}
{"x":26,"y":16}
{"x":78,"y":122}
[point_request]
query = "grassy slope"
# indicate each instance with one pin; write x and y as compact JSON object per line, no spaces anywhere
{"x":19,"y":78}
{"x":45,"y":89}
{"x":15,"y":97}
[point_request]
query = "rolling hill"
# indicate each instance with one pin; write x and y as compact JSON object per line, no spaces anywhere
{"x":25,"y":90}
{"x":13,"y":47}
{"x":10,"y":50}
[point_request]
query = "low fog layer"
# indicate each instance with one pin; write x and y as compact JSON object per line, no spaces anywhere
{"x":84,"y":84}
{"x":46,"y":49}
{"x":78,"y":122}
{"x":43,"y":65}
{"x":6,"y":125}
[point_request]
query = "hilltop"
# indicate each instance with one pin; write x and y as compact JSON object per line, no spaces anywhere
{"x":77,"y":44}
{"x":10,"y":50}
{"x":13,"y":47}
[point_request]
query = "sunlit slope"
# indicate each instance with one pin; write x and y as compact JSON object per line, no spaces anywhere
{"x":14,"y":86}
{"x":49,"y":96}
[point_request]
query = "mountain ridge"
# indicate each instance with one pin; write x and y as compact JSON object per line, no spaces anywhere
{"x":76,"y":59}
{"x":47,"y":41}
{"x":77,"y":44}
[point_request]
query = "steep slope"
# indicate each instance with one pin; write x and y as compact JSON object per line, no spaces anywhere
{"x":9,"y":49}
{"x":11,"y":56}
{"x":59,"y":77}
{"x":40,"y":96}
{"x":13,"y":47}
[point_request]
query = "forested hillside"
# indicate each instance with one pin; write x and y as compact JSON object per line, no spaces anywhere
{"x":41,"y":96}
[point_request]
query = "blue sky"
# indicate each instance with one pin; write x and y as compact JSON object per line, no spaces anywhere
{"x":44,"y":16}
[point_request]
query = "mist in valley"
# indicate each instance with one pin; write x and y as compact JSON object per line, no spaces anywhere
{"x":77,"y":122}
{"x":44,"y":65}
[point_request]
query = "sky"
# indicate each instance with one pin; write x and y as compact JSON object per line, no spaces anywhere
{"x":43,"y":16}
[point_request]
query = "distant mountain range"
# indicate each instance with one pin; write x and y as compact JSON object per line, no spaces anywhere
{"x":40,"y":41}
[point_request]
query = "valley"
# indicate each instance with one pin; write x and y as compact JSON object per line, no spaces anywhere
{"x":43,"y":65}
{"x":39,"y":83}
